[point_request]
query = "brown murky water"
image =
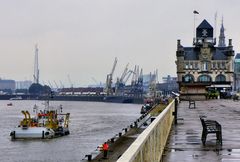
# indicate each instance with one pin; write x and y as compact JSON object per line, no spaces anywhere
{"x":91,"y":123}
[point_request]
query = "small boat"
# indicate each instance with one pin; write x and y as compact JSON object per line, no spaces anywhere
{"x":47,"y":123}
{"x":9,"y":104}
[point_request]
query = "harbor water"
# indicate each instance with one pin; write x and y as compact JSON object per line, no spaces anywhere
{"x":91,"y":124}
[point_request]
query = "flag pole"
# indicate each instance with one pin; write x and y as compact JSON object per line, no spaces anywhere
{"x":194,"y":20}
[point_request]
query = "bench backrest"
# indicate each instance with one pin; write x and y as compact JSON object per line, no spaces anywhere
{"x":206,"y":123}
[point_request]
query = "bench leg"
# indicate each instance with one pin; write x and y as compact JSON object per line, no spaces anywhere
{"x":204,"y":137}
{"x":219,"y":137}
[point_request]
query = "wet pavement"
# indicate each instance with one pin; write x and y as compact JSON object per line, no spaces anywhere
{"x":184,"y":143}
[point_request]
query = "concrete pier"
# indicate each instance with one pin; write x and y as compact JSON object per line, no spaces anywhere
{"x":184,"y":141}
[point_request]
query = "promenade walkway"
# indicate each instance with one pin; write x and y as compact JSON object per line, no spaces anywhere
{"x":184,"y":143}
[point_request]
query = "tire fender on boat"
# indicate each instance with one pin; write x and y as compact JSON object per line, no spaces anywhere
{"x":13,"y":134}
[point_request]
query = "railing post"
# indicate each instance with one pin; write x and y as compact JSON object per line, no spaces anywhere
{"x":175,"y":110}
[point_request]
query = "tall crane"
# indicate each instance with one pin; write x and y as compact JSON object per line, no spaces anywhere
{"x":62,"y":86}
{"x":125,"y":71}
{"x":71,"y":84}
{"x":119,"y":86}
{"x":56,"y":84}
{"x":50,"y":85}
{"x":108,"y":88}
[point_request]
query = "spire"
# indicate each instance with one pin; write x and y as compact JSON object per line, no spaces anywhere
{"x":221,"y":42}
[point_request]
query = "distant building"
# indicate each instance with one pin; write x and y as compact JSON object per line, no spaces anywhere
{"x":237,"y":72}
{"x":23,"y":84}
{"x":169,"y":79}
{"x":148,"y":82}
{"x":168,"y":86}
{"x":7,"y":85}
{"x":205,"y":65}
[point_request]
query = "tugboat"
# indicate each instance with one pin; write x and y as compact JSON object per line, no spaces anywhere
{"x":47,"y":123}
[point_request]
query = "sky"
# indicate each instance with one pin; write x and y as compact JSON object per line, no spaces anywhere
{"x":81,"y":38}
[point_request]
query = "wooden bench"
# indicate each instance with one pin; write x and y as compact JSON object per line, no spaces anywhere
{"x":191,"y":102}
{"x":211,"y":127}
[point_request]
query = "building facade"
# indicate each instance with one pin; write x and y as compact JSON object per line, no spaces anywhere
{"x":205,"y":65}
{"x":237,"y":72}
{"x":7,"y":84}
{"x":23,"y":84}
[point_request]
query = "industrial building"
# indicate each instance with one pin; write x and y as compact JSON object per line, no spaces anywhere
{"x":7,"y":85}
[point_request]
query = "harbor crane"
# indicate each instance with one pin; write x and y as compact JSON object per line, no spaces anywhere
{"x":120,"y":84}
{"x":137,"y":82}
{"x":56,"y":84}
{"x":50,"y":85}
{"x":71,"y":84}
{"x":153,"y":83}
{"x":62,"y":86}
{"x":108,"y":88}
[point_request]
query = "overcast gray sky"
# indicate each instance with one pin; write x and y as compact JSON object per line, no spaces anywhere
{"x":81,"y":38}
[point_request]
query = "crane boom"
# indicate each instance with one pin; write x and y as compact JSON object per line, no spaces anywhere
{"x":114,"y":66}
{"x":124,"y":73}
{"x":71,"y":84}
{"x":108,"y":88}
{"x":56,"y":84}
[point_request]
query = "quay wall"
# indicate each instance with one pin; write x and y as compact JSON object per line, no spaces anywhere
{"x":149,"y":145}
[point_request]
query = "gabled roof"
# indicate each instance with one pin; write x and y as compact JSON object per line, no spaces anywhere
{"x":204,"y":25}
{"x":219,"y":54}
{"x":190,"y":53}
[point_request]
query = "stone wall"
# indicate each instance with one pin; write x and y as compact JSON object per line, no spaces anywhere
{"x":149,"y":145}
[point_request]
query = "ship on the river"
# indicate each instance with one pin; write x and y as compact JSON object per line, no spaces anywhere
{"x":49,"y":122}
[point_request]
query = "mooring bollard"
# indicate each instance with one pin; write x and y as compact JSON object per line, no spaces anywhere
{"x":89,"y":157}
{"x":152,"y":119}
{"x":135,"y":123}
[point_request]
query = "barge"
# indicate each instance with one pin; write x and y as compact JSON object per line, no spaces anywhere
{"x":47,"y":123}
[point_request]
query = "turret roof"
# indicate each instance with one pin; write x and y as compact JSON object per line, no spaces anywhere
{"x":204,"y":25}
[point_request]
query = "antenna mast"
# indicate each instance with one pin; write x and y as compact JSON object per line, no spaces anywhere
{"x":36,"y":70}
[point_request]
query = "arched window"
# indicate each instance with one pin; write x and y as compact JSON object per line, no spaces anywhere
{"x":220,"y":78}
{"x":204,"y":78}
{"x":188,"y":78}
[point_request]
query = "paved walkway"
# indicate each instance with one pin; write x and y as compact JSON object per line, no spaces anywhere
{"x":184,"y":144}
{"x":117,"y":148}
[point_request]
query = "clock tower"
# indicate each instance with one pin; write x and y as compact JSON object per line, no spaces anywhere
{"x":204,"y":67}
{"x":204,"y":33}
